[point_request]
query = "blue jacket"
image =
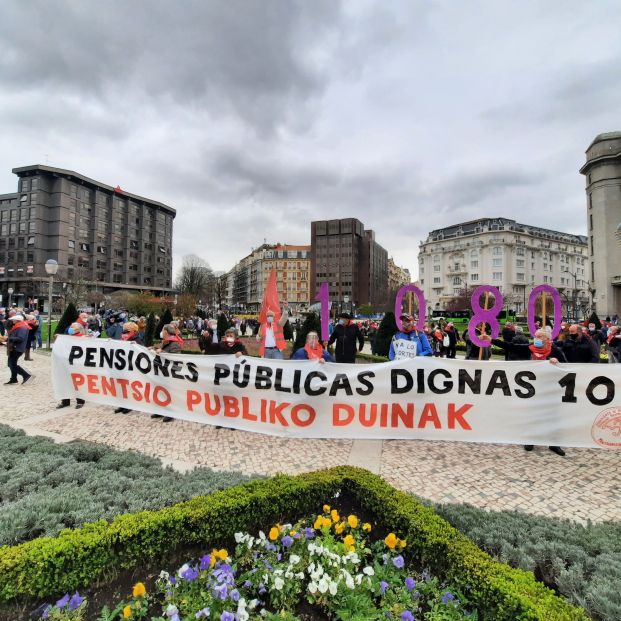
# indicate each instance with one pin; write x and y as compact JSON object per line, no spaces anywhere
{"x":422,"y":344}
{"x":18,"y":340}
{"x":300,"y":354}
{"x":114,"y":331}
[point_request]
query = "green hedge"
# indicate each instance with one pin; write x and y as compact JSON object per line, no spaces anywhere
{"x":77,"y":558}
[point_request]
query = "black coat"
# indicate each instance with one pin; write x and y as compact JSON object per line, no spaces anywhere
{"x":521,"y":351}
{"x":346,"y":337}
{"x":580,"y":350}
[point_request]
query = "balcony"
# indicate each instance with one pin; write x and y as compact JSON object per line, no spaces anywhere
{"x":457,"y":270}
{"x":615,"y":281}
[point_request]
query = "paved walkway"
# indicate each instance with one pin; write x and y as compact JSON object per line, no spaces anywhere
{"x":583,"y":485}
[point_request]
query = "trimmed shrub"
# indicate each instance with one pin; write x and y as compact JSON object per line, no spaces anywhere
{"x":79,"y":557}
{"x":46,"y":487}
{"x":387,"y":329}
{"x":149,"y":331}
{"x":69,"y":316}
{"x":312,"y":323}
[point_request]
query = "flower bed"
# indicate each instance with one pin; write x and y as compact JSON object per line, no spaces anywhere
{"x":331,"y":564}
{"x":78,"y":558}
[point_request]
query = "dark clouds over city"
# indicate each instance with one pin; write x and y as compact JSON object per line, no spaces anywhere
{"x":252,"y":118}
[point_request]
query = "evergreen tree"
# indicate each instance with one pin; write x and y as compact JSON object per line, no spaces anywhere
{"x":387,"y":329}
{"x":149,"y":332}
{"x":166,"y":318}
{"x":223,"y":324}
{"x":287,"y":331}
{"x":69,"y":316}
{"x":595,"y":319}
{"x":312,"y":323}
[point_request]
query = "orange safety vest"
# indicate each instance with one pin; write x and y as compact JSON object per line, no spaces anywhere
{"x":278,"y":336}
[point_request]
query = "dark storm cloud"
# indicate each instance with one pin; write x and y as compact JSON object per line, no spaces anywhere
{"x":237,"y":56}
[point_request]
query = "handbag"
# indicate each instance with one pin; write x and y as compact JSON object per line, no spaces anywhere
{"x":446,"y":341}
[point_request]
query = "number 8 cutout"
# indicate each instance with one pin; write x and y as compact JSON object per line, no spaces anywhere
{"x":482,"y":316}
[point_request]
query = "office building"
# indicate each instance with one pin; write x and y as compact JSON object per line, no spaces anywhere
{"x":510,"y":256}
{"x":397,"y":276}
{"x":602,"y":173}
{"x":101,"y":236}
{"x":346,"y":256}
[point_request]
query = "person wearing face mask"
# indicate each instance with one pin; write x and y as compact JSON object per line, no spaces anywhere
{"x":131,"y":335}
{"x":75,"y":329}
{"x":578,"y":347}
{"x":172,"y":343}
{"x":313,"y":350}
{"x":346,"y":333}
{"x":114,"y":329}
{"x":209,"y":336}
{"x":542,"y":348}
{"x":613,"y":345}
{"x":409,"y":332}
{"x":271,"y":337}
{"x":230,"y":344}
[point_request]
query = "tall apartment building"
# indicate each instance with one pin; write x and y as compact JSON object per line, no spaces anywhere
{"x":346,"y":256}
{"x":106,"y":237}
{"x":397,"y":276}
{"x":248,"y":279}
{"x":603,"y":188}
{"x":511,"y":256}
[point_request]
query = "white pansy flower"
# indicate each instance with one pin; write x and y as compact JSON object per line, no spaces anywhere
{"x":239,"y":537}
{"x":183,"y":569}
{"x":369,"y":571}
{"x":253,"y":604}
{"x":164,"y":575}
{"x":294,"y":559}
{"x":261,"y":535}
{"x":333,"y":588}
{"x":279,"y":583}
{"x":300,"y":575}
{"x":312,"y":587}
{"x":322,"y":585}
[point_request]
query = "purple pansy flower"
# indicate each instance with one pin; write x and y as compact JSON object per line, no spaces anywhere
{"x":227,"y":616}
{"x":205,"y":564}
{"x":410,"y":583}
{"x":235,"y":595}
{"x":309,"y":532}
{"x":247,"y":584}
{"x":286,"y":541}
{"x":220,"y":591}
{"x":172,"y":580}
{"x":75,"y":601}
{"x":190,"y":574}
{"x":63,"y":601}
{"x":406,"y":615}
{"x":398,"y":562}
{"x":383,"y":586}
{"x":202,"y":614}
{"x":447,"y":597}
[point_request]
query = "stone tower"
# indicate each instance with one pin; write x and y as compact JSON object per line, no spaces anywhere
{"x":603,"y":189}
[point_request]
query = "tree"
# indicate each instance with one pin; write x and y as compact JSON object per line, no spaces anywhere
{"x":312,"y":323}
{"x":595,"y":319}
{"x":195,"y":278}
{"x":223,"y":324}
{"x":142,"y":303}
{"x":365,"y":309}
{"x":387,"y":329}
{"x":461,"y":301}
{"x":166,"y":318}
{"x":186,"y":304}
{"x":149,"y":332}
{"x":69,"y":317}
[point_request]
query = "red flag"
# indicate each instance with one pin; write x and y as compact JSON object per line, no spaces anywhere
{"x":270,"y":299}
{"x":118,"y":189}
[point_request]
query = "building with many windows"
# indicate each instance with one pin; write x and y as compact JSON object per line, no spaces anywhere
{"x":346,"y":256}
{"x":397,"y":276}
{"x":246,"y":282}
{"x":511,"y":256}
{"x":602,"y":172}
{"x":99,"y":235}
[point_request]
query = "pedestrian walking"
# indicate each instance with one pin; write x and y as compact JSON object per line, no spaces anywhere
{"x":16,"y":346}
{"x":346,"y":335}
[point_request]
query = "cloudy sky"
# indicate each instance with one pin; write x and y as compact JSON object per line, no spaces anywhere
{"x":251,"y":118}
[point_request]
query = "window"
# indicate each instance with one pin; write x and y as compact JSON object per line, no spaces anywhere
{"x":496,"y":262}
{"x":71,"y":243}
{"x":456,"y":280}
{"x":474,"y":277}
{"x":85,"y":247}
{"x":520,"y":263}
{"x":436,"y":268}
{"x":102,"y":249}
{"x":474,"y":264}
{"x":519,"y":252}
{"x":32,"y":227}
{"x":519,"y":276}
{"x":496,"y":275}
{"x":25,"y":185}
{"x":456,"y":266}
{"x":162,"y":250}
{"x":23,"y":199}
{"x":436,"y":258}
{"x":497,"y":250}
{"x":436,"y":280}
{"x":545,"y":279}
{"x":31,"y":241}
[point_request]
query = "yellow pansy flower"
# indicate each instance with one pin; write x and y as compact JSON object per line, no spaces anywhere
{"x":222,"y":554}
{"x":366,"y":527}
{"x":318,"y":522}
{"x":139,"y":590}
{"x":326,"y":508}
{"x":212,"y":558}
{"x":274,"y":532}
{"x":352,"y":520}
{"x":293,"y":533}
{"x":349,"y":541}
{"x":391,"y":540}
{"x":402,"y":543}
{"x":326,"y":522}
{"x":339,"y":528}
{"x":335,"y":515}
{"x":127,"y":612}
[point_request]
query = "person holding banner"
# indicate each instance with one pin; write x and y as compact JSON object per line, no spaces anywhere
{"x":313,"y":350}
{"x":231,"y":344}
{"x":613,"y":345}
{"x":76,"y":329}
{"x":271,"y":336}
{"x":409,"y":342}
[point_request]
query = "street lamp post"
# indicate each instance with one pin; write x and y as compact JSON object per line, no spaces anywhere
{"x":51,"y":267}
{"x":574,"y":294}
{"x":10,"y":295}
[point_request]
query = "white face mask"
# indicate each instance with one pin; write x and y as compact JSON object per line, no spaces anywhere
{"x":229,"y":339}
{"x":270,"y":319}
{"x":162,"y":334}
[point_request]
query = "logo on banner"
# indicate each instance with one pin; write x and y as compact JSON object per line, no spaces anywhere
{"x":404,"y":349}
{"x":606,"y":429}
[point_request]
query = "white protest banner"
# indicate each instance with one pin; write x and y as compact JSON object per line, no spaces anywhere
{"x":434,"y":399}
{"x":404,"y":349}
